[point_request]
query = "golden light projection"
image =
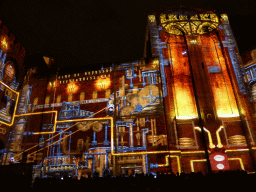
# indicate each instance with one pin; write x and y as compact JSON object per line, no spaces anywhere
{"x":224,"y":97}
{"x":103,"y":83}
{"x":52,"y":85}
{"x":72,"y":88}
{"x":218,"y":136}
{"x":185,"y":107}
{"x":194,"y":161}
{"x":4,"y":43}
{"x":152,"y":18}
{"x":155,"y":63}
{"x":224,"y":16}
{"x":209,"y":136}
{"x":240,"y":161}
{"x":167,"y":164}
{"x":194,"y":25}
{"x":41,"y":113}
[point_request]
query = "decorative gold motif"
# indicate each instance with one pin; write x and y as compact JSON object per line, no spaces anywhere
{"x":183,"y":17}
{"x":158,"y":140}
{"x":152,"y":18}
{"x":237,"y":140}
{"x":172,"y":17}
{"x":186,"y":142}
{"x":224,"y":17}
{"x":163,"y":18}
{"x":205,"y":17}
{"x":197,"y":24}
{"x":4,"y":43}
{"x":195,"y":17}
{"x":214,"y":18}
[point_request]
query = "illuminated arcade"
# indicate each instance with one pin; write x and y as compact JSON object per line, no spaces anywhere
{"x":185,"y":109}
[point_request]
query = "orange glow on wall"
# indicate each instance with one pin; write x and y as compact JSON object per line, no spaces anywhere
{"x":72,"y":88}
{"x":4,"y":43}
{"x":103,"y":83}
{"x":224,"y":98}
{"x":51,"y":85}
{"x":185,"y":107}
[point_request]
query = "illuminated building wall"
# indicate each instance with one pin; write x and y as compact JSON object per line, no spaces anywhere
{"x":11,"y":74}
{"x":182,"y":87}
{"x":249,"y":60}
{"x":144,"y":117}
{"x":207,"y":83}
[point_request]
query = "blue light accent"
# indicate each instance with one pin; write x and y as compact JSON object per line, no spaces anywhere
{"x":93,"y":163}
{"x":93,"y":148}
{"x":146,"y":159}
{"x":106,"y":142}
{"x":151,"y":75}
{"x":2,"y":58}
{"x":14,"y":85}
{"x":249,"y":71}
{"x":153,"y":166}
{"x":71,"y":110}
{"x":254,"y":72}
{"x":41,"y":142}
{"x":127,"y":67}
{"x":94,"y":142}
{"x":57,"y":145}
{"x":158,"y":45}
{"x":124,"y":149}
{"x":184,"y":52}
{"x":151,"y":97}
{"x":214,"y":69}
{"x":9,"y":104}
{"x":138,"y":108}
{"x":29,"y":133}
{"x":23,"y":103}
{"x":53,"y":171}
{"x":231,"y":44}
{"x":63,"y":125}
{"x":252,"y":82}
{"x":47,"y":127}
{"x":249,"y":67}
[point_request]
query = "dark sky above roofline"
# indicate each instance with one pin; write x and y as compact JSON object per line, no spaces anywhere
{"x":91,"y":33}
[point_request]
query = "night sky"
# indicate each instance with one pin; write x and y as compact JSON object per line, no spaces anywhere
{"x":86,"y":33}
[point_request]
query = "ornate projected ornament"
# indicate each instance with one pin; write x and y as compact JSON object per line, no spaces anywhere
{"x":197,"y":24}
{"x":97,"y":126}
{"x":148,"y":95}
{"x":84,"y":126}
{"x":9,"y":73}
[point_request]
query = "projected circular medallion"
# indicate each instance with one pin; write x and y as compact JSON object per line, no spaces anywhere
{"x":9,"y":73}
{"x":220,"y":166}
{"x":219,"y":157}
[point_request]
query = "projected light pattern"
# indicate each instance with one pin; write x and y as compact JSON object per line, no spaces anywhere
{"x":182,"y":88}
{"x":8,"y":112}
{"x":144,"y":116}
{"x":218,"y":77}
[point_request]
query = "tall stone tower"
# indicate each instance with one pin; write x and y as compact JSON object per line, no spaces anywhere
{"x":206,"y":103}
